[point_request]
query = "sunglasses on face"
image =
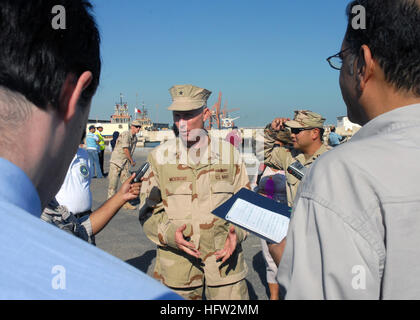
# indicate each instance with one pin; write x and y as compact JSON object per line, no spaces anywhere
{"x":299,"y":130}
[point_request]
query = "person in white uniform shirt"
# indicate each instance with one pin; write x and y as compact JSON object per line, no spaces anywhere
{"x":71,"y":206}
{"x":75,"y":192}
{"x":70,"y":210}
{"x":355,"y":228}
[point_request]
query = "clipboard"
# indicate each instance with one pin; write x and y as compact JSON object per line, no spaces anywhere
{"x":257,"y":214}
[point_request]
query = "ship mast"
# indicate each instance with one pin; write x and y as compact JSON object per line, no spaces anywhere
{"x":121,"y":114}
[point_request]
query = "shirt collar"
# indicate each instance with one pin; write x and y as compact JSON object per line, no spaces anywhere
{"x":302,"y":159}
{"x":390,"y":121}
{"x":132,"y":135}
{"x":16,"y":188}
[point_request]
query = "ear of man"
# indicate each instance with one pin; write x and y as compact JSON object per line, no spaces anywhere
{"x":206,"y":114}
{"x":315,"y":134}
{"x":71,"y":93}
{"x":365,"y":66}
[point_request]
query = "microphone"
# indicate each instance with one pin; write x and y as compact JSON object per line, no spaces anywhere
{"x":141,"y":172}
{"x":297,"y":170}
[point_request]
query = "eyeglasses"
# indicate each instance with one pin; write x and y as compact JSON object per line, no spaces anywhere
{"x":336,"y":61}
{"x":299,"y":130}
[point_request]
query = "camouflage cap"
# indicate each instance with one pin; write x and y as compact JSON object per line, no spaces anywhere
{"x":188,"y":97}
{"x":306,"y":119}
{"x":136,"y":123}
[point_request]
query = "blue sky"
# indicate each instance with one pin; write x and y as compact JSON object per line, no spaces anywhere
{"x":267,"y":57}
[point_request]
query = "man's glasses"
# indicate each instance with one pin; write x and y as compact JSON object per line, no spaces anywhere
{"x":299,"y":130}
{"x":336,"y":61}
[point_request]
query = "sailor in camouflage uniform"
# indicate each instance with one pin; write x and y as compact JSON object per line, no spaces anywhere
{"x":187,"y":179}
{"x":122,"y":159}
{"x":307,"y":130}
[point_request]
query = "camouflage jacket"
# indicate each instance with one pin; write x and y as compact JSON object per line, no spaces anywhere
{"x":282,"y":157}
{"x":179,"y":190}
{"x":125,"y":140}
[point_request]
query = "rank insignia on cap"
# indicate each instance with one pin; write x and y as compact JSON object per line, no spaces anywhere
{"x":188,"y":97}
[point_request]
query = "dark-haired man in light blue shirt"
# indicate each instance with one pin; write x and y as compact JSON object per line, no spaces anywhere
{"x":47,"y":80}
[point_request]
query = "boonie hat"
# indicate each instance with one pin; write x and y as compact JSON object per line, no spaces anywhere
{"x":99,"y":125}
{"x":188,"y":97}
{"x":306,"y":119}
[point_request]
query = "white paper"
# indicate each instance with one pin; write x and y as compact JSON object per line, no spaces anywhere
{"x":269,"y":224}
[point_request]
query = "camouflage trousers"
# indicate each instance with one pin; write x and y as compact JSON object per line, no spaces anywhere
{"x":233,"y":291}
{"x":116,"y":174}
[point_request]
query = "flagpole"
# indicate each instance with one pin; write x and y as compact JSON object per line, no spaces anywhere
{"x":137,"y":103}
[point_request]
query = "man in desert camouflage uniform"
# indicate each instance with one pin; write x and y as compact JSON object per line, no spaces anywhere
{"x":122,"y":159}
{"x":188,"y":178}
{"x":307,"y":130}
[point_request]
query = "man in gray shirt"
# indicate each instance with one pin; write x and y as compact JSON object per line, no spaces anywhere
{"x":355,"y":228}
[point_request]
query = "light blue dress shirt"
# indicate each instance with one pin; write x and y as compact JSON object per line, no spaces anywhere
{"x":40,"y":261}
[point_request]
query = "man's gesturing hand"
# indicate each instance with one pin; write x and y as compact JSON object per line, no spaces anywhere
{"x":230,"y":246}
{"x":184,"y":245}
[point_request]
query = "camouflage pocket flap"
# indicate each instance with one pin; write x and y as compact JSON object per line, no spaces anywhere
{"x":178,"y":188}
{"x":222,"y":187}
{"x":178,"y":200}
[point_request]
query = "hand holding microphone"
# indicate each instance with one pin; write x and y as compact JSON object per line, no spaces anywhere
{"x":137,"y":180}
{"x":141,"y":172}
